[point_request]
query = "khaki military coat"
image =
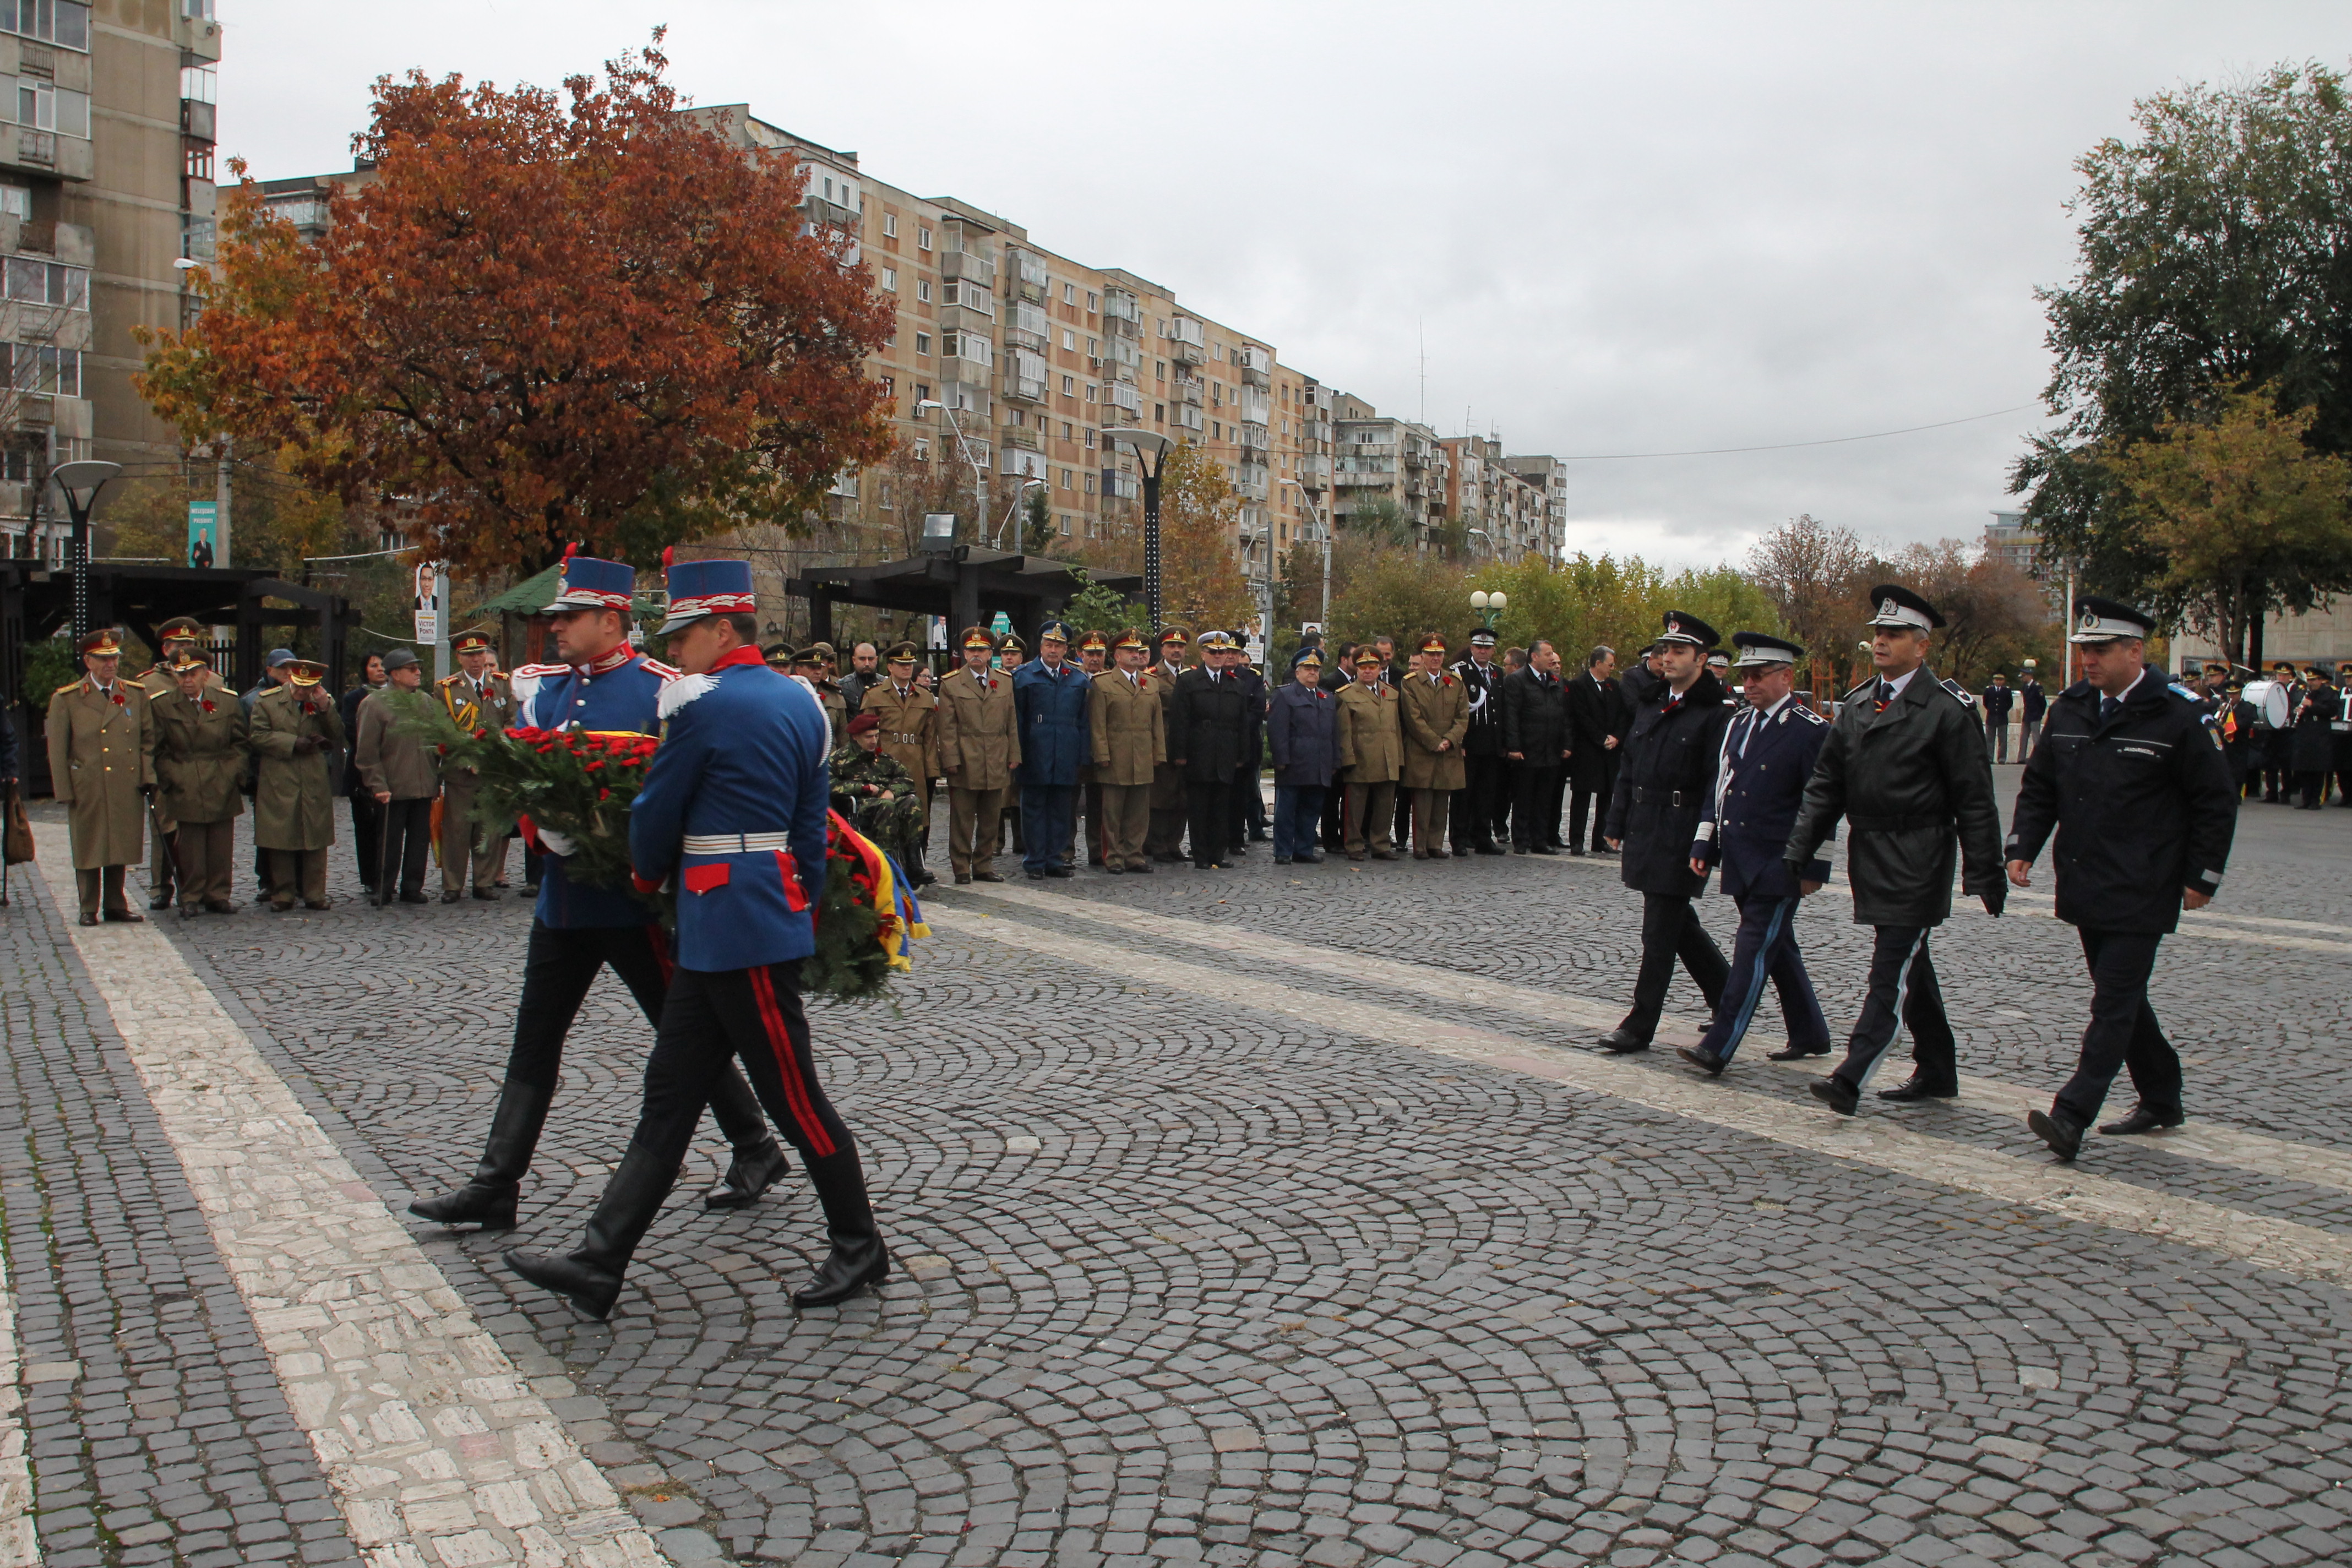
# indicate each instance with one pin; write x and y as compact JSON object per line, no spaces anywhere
{"x":910,"y":729}
{"x":294,"y":792}
{"x":1166,"y":781}
{"x":161,"y":682}
{"x":101,"y":758}
{"x":836,"y":707}
{"x":980,"y":730}
{"x":1434,"y":711}
{"x":1130,"y":727}
{"x":1371,"y":736}
{"x":489,"y":707}
{"x":392,"y":761}
{"x":200,"y":756}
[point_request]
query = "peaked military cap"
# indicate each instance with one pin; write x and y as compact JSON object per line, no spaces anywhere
{"x":1896,"y":606}
{"x":1683,"y":627}
{"x":475,"y":640}
{"x":181,"y":628}
{"x":901,"y":653}
{"x":1762,"y":648}
{"x":2106,"y":620}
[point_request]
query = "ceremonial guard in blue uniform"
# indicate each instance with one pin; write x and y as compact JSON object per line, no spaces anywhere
{"x":578,"y":928}
{"x":1052,"y":697}
{"x":733,"y":809}
{"x":1768,"y":754}
{"x":2131,"y":776}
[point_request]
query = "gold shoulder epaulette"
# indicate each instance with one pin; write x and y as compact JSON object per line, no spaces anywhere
{"x":69,"y":685}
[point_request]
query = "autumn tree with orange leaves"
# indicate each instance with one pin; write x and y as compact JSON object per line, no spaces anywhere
{"x":547,"y":320}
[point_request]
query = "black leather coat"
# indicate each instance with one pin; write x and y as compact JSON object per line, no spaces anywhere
{"x":1915,"y":787}
{"x":1664,"y":782}
{"x":1596,"y":711}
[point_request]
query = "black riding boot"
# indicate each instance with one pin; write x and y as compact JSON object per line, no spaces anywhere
{"x":759,"y":1160}
{"x":858,"y":1258}
{"x":590,"y":1277}
{"x":488,"y":1200}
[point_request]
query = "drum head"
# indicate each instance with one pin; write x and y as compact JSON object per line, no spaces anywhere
{"x":2269,"y":700}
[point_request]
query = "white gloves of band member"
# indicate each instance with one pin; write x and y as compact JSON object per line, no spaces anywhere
{"x":555,"y":843}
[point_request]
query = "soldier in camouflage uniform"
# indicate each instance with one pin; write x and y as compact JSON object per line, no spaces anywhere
{"x":879,"y":795}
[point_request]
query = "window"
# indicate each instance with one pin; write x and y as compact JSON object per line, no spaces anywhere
{"x":42,"y":369}
{"x":48,"y":283}
{"x":43,"y":106}
{"x":1066,"y":430}
{"x":890,"y":278}
{"x":1069,"y":294}
{"x":1065,"y":516}
{"x":1090,"y":436}
{"x":890,"y":387}
{"x":200,"y":84}
{"x":889,"y":226}
{"x":1159,"y":370}
{"x":922,"y":236}
{"x":63,"y":22}
{"x":1090,"y":484}
{"x":1069,"y":386}
{"x":1090,"y":391}
{"x":1069,"y":340}
{"x":1094,"y":301}
{"x":1094,"y":348}
{"x":1068,"y":481}
{"x":892,"y":341}
{"x":923,"y":443}
{"x":923,"y":289}
{"x":1160,"y":414}
{"x":16,"y":201}
{"x":922,"y":343}
{"x":1216,"y":431}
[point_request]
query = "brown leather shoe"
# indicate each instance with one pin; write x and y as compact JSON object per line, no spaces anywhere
{"x":126,"y":917}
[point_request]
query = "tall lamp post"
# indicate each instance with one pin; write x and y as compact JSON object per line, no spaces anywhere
{"x":1323,"y":525}
{"x":1148,"y":445}
{"x":978,"y":474}
{"x":1020,"y":494}
{"x":79,"y":484}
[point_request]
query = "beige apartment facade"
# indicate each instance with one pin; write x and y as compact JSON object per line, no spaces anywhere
{"x":106,"y":181}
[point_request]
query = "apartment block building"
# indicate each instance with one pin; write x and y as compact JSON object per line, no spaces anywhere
{"x":1548,"y":475}
{"x":106,"y":180}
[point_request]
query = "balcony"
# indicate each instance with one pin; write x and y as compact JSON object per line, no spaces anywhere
{"x":1252,"y":481}
{"x":1117,"y":485}
{"x":1021,"y":435}
{"x":1025,"y":388}
{"x":1256,"y":365}
{"x":829,"y":214}
{"x":1315,"y":430}
{"x":1189,"y":418}
{"x":48,"y":152}
{"x":1120,"y":395}
{"x":198,"y":121}
{"x":1253,"y":438}
{"x":1417,"y":456}
{"x":1257,"y":408}
{"x":1119,"y":305}
{"x":1188,"y":390}
{"x":1025,"y":465}
{"x":969,"y":266}
{"x":1314,"y":472}
{"x":1378,"y":478}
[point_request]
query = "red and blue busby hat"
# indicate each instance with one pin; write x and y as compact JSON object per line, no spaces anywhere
{"x":701,"y":588}
{"x":588,"y":583}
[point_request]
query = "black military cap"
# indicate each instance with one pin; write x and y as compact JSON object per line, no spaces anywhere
{"x":2108,"y":620}
{"x":1896,"y":606}
{"x":1762,"y":648}
{"x":1688,"y":628}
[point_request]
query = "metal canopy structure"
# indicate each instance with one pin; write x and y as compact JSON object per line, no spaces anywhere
{"x":35,"y":601}
{"x":967,"y":584}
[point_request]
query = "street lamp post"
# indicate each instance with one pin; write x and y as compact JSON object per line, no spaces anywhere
{"x":79,"y":484}
{"x":1020,"y":493}
{"x":1148,"y":445}
{"x":1323,"y":525}
{"x":978,"y":474}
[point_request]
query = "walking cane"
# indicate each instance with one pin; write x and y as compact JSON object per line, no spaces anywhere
{"x":383,"y":850}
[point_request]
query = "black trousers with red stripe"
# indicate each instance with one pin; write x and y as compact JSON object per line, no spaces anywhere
{"x":755,"y":1014}
{"x":559,"y":966}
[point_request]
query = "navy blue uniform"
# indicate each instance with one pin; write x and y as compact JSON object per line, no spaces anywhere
{"x":1743,"y":827}
{"x":1053,"y":706}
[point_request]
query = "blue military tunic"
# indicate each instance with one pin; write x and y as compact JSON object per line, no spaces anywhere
{"x":1054,"y":709}
{"x":735,"y":806}
{"x":1744,"y":826}
{"x":620,"y":692}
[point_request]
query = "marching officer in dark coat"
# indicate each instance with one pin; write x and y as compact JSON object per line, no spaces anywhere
{"x":1474,"y":807}
{"x":2130,"y":775}
{"x":1769,"y":752}
{"x":1905,"y":766}
{"x":2311,"y":744}
{"x":1669,"y":769}
{"x":1206,"y":722}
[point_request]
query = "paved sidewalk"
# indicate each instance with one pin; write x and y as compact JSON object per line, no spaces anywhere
{"x":1280,"y":1216}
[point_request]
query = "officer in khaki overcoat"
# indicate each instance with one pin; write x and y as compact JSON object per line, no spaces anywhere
{"x":979,"y":745}
{"x":101,"y":765}
{"x":200,"y":756}
{"x":811,"y":665}
{"x":1129,"y":729}
{"x":180,"y":636}
{"x":295,"y":727}
{"x":1435,"y":707}
{"x":1372,"y":756}
{"x":910,"y":724}
{"x":478,"y":697}
{"x":1165,"y":843}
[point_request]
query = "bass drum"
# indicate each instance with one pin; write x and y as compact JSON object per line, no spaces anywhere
{"x":2268,"y":699}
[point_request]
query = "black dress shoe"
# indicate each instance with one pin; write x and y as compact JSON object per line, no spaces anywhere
{"x":1464,"y":854}
{"x":590,"y":1290}
{"x":2141,"y":1120}
{"x":2064,"y":1134}
{"x":1488,"y":849}
{"x":1699,"y":1058}
{"x":1623,"y":1042}
{"x":160,"y":902}
{"x":1140,"y":868}
{"x":962,"y":878}
{"x":414,"y":898}
{"x":1795,"y":1053}
{"x":1035,"y":876}
{"x":450,"y":895}
{"x":1837,"y":1094}
{"x":847,"y":1271}
{"x":749,"y":1175}
{"x":89,"y":920}
{"x":486,"y":894}
{"x":220,"y":906}
{"x":1059,"y":871}
{"x":1543,"y":850}
{"x":476,"y":1202}
{"x":1916,"y":1089}
{"x":1577,"y":850}
{"x":986,"y":876}
{"x":126,"y":917}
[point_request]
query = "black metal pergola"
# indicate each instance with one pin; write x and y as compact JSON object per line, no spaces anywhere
{"x":967,"y":584}
{"x":35,"y":601}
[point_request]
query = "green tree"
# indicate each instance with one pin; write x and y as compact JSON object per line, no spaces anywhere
{"x":2211,"y":253}
{"x":1097,"y":608}
{"x":1200,"y":582}
{"x":2244,"y":516}
{"x":1037,"y":537}
{"x":1994,"y":613}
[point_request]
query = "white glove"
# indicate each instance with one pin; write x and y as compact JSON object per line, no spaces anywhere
{"x":555,"y":843}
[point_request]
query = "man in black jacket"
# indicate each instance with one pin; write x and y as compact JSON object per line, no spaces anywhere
{"x":1535,"y":738}
{"x":1206,"y":720}
{"x":1474,"y":808}
{"x":1998,"y":698}
{"x":2130,"y":775}
{"x":1670,"y":761}
{"x":1598,"y":718}
{"x":1905,"y":766}
{"x":1249,"y":800}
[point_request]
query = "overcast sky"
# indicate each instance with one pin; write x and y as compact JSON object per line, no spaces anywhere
{"x":1608,"y":230}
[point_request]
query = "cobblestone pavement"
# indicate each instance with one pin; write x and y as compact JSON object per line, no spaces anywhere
{"x":1199,"y":1271}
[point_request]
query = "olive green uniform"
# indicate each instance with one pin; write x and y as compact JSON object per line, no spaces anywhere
{"x":863,"y":778}
{"x":486,"y":705}
{"x":158,"y":682}
{"x":294,"y":791}
{"x":200,"y":755}
{"x":101,"y":759}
